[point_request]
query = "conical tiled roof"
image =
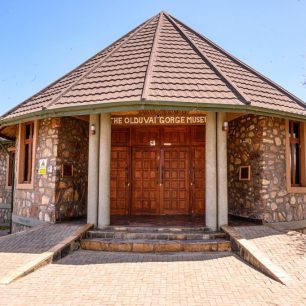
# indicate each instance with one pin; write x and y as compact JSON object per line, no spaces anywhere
{"x":163,"y":60}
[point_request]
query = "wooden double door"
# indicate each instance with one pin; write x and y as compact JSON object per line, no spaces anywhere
{"x":154,"y":176}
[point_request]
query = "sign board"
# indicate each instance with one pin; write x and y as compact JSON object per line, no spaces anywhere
{"x":42,"y":166}
{"x":158,"y":120}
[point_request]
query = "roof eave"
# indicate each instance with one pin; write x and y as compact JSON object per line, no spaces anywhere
{"x":148,"y":104}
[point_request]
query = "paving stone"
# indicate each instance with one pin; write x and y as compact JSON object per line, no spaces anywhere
{"x":168,"y":247}
{"x":143,"y":247}
{"x":224,"y":246}
{"x":105,"y":278}
{"x":119,"y":247}
{"x":199,"y":278}
{"x":197,"y":247}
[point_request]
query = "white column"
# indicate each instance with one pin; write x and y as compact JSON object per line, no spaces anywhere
{"x":211,"y":172}
{"x":222,"y":170}
{"x":93,"y":171}
{"x":104,"y":171}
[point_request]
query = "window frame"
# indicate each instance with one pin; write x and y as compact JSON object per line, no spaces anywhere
{"x":292,"y":188}
{"x":21,"y":183}
{"x":9,"y":167}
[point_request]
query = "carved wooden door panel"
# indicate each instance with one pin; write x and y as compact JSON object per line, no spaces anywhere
{"x":158,"y":170}
{"x":197,"y":180}
{"x":120,"y":180}
{"x":146,"y":191}
{"x":175,"y":180}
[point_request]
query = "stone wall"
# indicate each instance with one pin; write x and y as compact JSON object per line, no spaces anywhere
{"x":260,"y":142}
{"x":71,"y":192}
{"x":39,"y":202}
{"x":53,"y":197}
{"x":5,"y":192}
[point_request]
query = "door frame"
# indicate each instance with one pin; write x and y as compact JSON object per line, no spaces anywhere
{"x":159,"y":147}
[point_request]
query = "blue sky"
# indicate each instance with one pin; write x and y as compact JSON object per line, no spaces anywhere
{"x":42,"y":40}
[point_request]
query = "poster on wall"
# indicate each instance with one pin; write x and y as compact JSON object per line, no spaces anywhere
{"x":42,"y":166}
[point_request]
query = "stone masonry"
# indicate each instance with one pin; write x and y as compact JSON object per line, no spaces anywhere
{"x":260,"y":142}
{"x":54,"y":197}
{"x":71,"y":192}
{"x":5,"y":192}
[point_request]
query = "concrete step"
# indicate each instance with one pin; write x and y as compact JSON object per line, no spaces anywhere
{"x":147,"y":246}
{"x":159,"y":229}
{"x":154,"y":235}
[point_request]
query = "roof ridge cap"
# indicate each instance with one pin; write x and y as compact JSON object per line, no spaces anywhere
{"x":152,"y":58}
{"x":246,"y":66}
{"x":128,"y":36}
{"x":241,"y":96}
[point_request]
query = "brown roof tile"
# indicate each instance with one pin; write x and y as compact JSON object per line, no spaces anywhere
{"x":162,"y":60}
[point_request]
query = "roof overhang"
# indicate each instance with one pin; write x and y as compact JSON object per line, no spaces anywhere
{"x":126,"y":106}
{"x":8,"y":133}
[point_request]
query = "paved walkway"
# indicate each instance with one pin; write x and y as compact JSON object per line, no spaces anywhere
{"x":21,"y":248}
{"x":100,"y":278}
{"x":105,"y":278}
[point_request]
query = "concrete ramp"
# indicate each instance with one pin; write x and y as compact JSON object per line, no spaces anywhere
{"x":24,"y":252}
{"x":280,"y":255}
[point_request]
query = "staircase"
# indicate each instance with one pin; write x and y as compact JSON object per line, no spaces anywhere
{"x":155,"y":239}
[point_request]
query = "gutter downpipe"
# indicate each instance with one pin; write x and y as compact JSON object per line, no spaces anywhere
{"x":13,"y":184}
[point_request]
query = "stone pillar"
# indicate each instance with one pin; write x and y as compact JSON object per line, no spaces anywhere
{"x":104,"y":171}
{"x":211,"y":172}
{"x":222,"y":170}
{"x":93,"y":171}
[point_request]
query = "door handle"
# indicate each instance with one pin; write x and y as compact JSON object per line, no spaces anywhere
{"x":161,"y":176}
{"x":192,"y":174}
{"x":127,"y":183}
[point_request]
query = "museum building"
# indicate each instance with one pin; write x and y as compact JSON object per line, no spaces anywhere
{"x":163,"y":122}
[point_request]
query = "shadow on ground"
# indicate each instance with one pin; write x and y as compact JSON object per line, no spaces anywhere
{"x":84,"y":257}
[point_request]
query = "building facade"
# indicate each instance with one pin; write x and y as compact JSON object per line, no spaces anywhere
{"x":161,"y":123}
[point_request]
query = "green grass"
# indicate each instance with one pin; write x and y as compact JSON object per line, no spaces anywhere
{"x":4,"y":228}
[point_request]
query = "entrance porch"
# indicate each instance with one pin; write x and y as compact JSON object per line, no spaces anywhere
{"x":173,"y":172}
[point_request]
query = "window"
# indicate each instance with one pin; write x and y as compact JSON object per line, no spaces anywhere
{"x":295,"y":152}
{"x":26,"y":154}
{"x":10,"y":168}
{"x":296,"y":156}
{"x":28,"y":151}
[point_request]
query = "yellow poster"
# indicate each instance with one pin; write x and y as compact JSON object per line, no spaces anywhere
{"x":42,"y":166}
